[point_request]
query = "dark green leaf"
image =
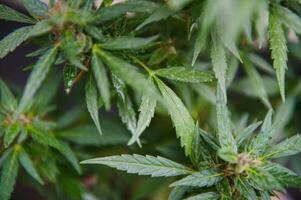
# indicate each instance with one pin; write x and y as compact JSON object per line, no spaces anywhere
{"x":245,"y":188}
{"x":205,"y":196}
{"x":36,"y":8}
{"x":126,"y":42}
{"x":7,"y":99}
{"x":9,"y":14}
{"x":11,"y":133}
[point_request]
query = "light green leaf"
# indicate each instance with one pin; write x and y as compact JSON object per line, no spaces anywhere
{"x":9,"y":14}
{"x":180,"y":116}
{"x":219,"y":63}
{"x":245,"y":188}
{"x":101,"y":79}
{"x":36,"y":77}
{"x":177,"y":193}
{"x":7,"y":99}
{"x":279,"y":50}
{"x":245,"y":133}
{"x":285,"y":176}
{"x":13,"y":40}
{"x":287,"y":147}
{"x":261,"y":63}
{"x":92,"y":104}
{"x":228,"y":155}
{"x":11,"y":133}
{"x":177,"y":4}
{"x":142,"y":165}
{"x":126,"y":42}
{"x":224,"y":131}
{"x":147,"y":111}
{"x":205,"y":178}
{"x":9,"y":175}
{"x":289,"y":19}
{"x":257,"y":83}
{"x":49,"y":140}
{"x":26,"y":162}
{"x":205,"y":196}
{"x":69,"y":75}
{"x":36,"y":8}
{"x":261,"y":21}
{"x":184,"y":74}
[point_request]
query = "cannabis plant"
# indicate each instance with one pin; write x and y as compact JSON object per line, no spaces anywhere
{"x":170,"y":60}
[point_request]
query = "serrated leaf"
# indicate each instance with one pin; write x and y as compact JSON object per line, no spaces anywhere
{"x":257,"y":84}
{"x":50,"y":140}
{"x":9,"y":175}
{"x":91,"y":101}
{"x":224,"y":131}
{"x":245,"y":188}
{"x":184,"y":74}
{"x":228,"y":155}
{"x":72,"y":47}
{"x":36,"y":8}
{"x":287,"y":147}
{"x":159,"y":14}
{"x":245,"y":133}
{"x":6,"y":13}
{"x":128,"y":73}
{"x":7,"y":99}
{"x":26,"y":162}
{"x":11,"y":133}
{"x":279,"y":50}
{"x":180,"y":116}
{"x":127,"y":42}
{"x":13,"y":40}
{"x":36,"y":77}
{"x":142,"y":165}
{"x":205,"y":196}
{"x":219,"y":63}
{"x":288,"y":18}
{"x":101,"y":79}
{"x":117,"y":10}
{"x":69,"y":75}
{"x":285,"y":176}
{"x":177,"y":193}
{"x":147,"y":111}
{"x":205,"y":178}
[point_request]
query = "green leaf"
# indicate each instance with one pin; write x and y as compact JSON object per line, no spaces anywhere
{"x":11,"y":133}
{"x":118,"y":10}
{"x":285,"y":176}
{"x":49,"y":140}
{"x":36,"y":8}
{"x":258,"y":145}
{"x":219,"y":63}
{"x":142,"y":165}
{"x":70,"y":73}
{"x":26,"y":162}
{"x":9,"y":175}
{"x":205,"y":196}
{"x":92,"y":104}
{"x":13,"y":40}
{"x":127,"y":42}
{"x":177,"y":4}
{"x":257,"y":83}
{"x":177,"y":193}
{"x":261,"y":23}
{"x":9,"y":14}
{"x":159,"y":14}
{"x":224,"y":131}
{"x":228,"y":155}
{"x":184,"y":74}
{"x":36,"y":77}
{"x":288,"y":18}
{"x":245,"y":133}
{"x":279,"y":50}
{"x":128,"y":73}
{"x":147,"y":111}
{"x":245,"y":188}
{"x":180,"y":116}
{"x":205,"y":178}
{"x":101,"y":79}
{"x":287,"y":147}
{"x":7,"y":99}
{"x":72,"y":47}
